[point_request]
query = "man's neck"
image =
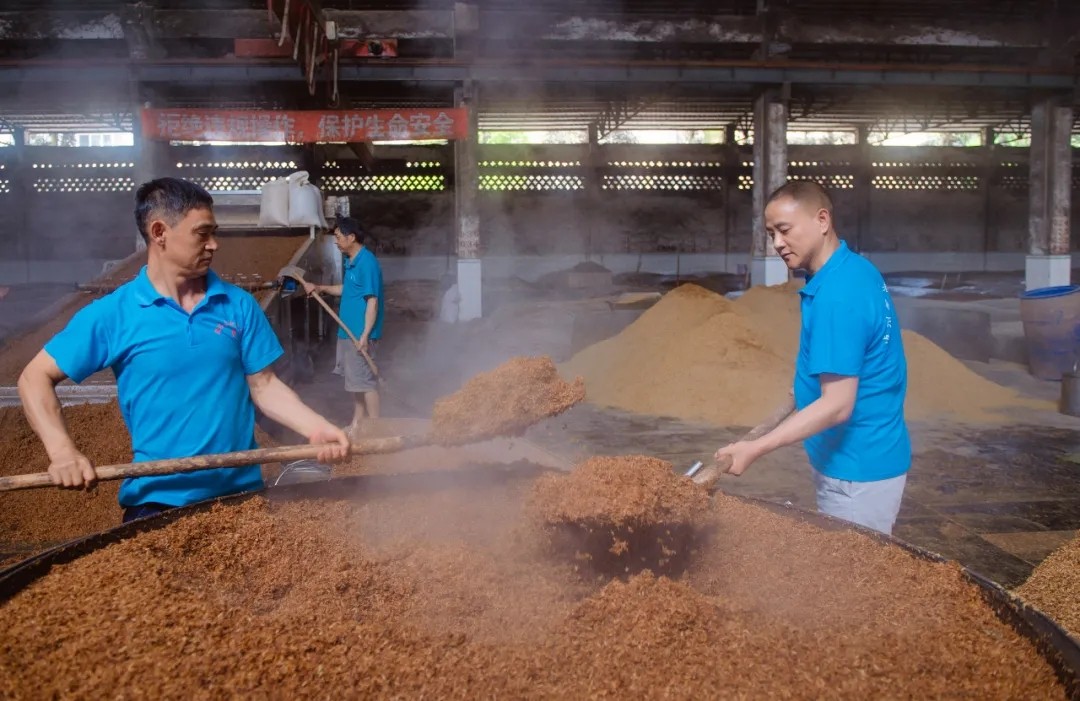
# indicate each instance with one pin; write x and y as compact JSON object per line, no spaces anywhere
{"x":170,"y":282}
{"x":352,"y":252}
{"x":831,"y":246}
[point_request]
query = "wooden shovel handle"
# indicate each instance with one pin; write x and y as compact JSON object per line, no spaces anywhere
{"x":710,"y":474}
{"x":202,"y":462}
{"x":349,"y":333}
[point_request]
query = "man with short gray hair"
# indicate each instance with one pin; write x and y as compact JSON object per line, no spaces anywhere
{"x":192,"y":355}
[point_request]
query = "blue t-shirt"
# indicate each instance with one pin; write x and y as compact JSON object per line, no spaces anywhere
{"x":850,"y":328}
{"x":363,"y":279}
{"x":181,"y":379}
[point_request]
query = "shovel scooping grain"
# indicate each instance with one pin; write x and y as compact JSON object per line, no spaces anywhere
{"x":624,"y":513}
{"x":504,"y":401}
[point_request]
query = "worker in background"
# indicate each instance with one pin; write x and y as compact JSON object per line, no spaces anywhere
{"x":361,"y":293}
{"x":850,"y":375}
{"x":192,"y":356}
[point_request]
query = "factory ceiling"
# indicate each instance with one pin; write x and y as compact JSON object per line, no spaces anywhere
{"x":957,"y":65}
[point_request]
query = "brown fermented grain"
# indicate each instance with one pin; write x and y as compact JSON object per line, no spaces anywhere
{"x":50,"y":515}
{"x":1054,"y":586}
{"x":448,"y":595}
{"x":504,"y":401}
{"x":631,"y":490}
{"x":238,"y":258}
{"x":33,"y":519}
{"x":699,"y":356}
{"x":621,"y":514}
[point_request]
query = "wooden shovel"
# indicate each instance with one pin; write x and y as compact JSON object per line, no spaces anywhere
{"x":709,"y":476}
{"x":369,"y":446}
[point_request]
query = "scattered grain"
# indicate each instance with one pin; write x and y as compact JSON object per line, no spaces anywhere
{"x":504,"y":401}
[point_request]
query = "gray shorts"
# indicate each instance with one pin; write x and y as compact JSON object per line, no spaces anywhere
{"x":871,"y":504}
{"x":358,"y":374}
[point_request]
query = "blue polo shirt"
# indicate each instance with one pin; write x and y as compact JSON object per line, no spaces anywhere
{"x":181,"y":379}
{"x":850,"y":328}
{"x":362,"y":279}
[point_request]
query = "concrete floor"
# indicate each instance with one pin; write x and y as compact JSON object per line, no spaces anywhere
{"x":997,"y":499}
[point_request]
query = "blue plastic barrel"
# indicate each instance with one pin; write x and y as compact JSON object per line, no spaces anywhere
{"x":1051,"y":317}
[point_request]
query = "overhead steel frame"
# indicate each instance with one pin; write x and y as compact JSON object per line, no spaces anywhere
{"x":211,"y":72}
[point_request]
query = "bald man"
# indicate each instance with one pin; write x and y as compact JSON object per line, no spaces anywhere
{"x":850,"y":375}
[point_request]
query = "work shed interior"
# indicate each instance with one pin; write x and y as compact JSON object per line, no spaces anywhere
{"x":569,"y":190}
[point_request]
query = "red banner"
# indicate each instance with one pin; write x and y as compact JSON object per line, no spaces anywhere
{"x":307,"y":126}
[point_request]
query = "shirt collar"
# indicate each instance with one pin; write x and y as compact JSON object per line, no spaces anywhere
{"x":350,"y":262}
{"x":815,"y":281}
{"x":147,"y":294}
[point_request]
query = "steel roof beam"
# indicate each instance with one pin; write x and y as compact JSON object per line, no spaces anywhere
{"x":210,"y":73}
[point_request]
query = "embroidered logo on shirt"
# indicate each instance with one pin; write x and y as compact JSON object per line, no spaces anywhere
{"x":229,"y":327}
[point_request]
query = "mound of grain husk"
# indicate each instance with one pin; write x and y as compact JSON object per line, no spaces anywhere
{"x":588,"y":266}
{"x":504,"y":401}
{"x":446,"y":594}
{"x":622,"y":514}
{"x":1054,"y":587}
{"x":698,"y":356}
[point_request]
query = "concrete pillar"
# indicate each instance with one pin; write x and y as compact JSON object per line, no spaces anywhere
{"x":986,"y":192}
{"x":864,"y":186}
{"x":732,"y":163}
{"x":593,"y":183}
{"x":1049,"y":262}
{"x":152,"y":160}
{"x":770,"y":172}
{"x":466,"y":189}
{"x":20,"y":177}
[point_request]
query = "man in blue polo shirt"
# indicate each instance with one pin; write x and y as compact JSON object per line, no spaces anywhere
{"x":361,"y":293}
{"x":192,"y":356}
{"x":850,"y":375}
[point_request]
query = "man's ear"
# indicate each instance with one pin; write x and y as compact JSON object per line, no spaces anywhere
{"x":824,"y":220}
{"x":157,"y":232}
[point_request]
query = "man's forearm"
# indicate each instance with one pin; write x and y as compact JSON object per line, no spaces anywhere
{"x":42,"y":408}
{"x":371,"y":313}
{"x":334,"y":290}
{"x":815,"y":418}
{"x":279,"y":402}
